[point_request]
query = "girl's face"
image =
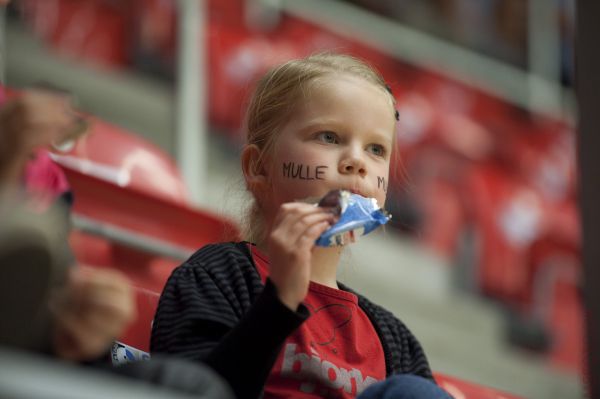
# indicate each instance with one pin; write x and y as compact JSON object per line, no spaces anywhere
{"x":339,"y":137}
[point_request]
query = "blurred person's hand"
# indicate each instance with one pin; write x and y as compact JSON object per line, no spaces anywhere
{"x":94,"y":308}
{"x":37,"y":119}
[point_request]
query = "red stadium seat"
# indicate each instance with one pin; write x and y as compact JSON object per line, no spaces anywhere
{"x":93,"y":30}
{"x":460,"y":389}
{"x":115,"y":155}
{"x":142,"y":235}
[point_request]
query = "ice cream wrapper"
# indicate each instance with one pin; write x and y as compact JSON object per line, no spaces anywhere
{"x":358,"y":216}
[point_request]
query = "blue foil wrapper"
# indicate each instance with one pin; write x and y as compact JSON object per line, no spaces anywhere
{"x":359,"y":216}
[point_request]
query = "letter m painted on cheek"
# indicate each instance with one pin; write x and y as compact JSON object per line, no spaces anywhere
{"x":286,"y":169}
{"x":381,"y":183}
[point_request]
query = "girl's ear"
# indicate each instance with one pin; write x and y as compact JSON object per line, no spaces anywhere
{"x":253,"y":169}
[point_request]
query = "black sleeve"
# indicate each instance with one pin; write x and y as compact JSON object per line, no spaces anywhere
{"x":206,"y":314}
{"x":403,"y":352}
{"x":415,"y":362}
{"x":409,"y":356}
{"x":245,"y":356}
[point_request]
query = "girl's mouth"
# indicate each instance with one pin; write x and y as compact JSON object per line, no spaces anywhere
{"x":355,"y":191}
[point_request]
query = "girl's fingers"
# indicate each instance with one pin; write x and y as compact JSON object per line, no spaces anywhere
{"x":293,"y":213}
{"x":294,"y":210}
{"x":299,"y":226}
{"x":296,"y":222}
{"x":312,"y":233}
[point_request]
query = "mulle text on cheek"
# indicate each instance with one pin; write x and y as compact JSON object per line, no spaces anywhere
{"x":304,"y":172}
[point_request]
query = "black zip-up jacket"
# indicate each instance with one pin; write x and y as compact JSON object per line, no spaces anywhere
{"x":214,"y":308}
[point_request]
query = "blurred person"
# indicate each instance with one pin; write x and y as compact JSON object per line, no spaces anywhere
{"x":49,"y":305}
{"x":52,"y":306}
{"x":33,"y":124}
{"x":90,"y":307}
{"x":270,"y":317}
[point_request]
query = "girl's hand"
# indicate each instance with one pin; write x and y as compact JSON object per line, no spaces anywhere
{"x":95,"y":308}
{"x":290,"y":243}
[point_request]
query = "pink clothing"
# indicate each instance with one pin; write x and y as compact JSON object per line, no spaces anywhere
{"x":44,"y":180}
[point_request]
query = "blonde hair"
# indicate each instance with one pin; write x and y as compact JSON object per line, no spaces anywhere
{"x":277,"y":94}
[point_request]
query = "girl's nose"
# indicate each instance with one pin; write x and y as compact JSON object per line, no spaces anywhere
{"x":352,"y":164}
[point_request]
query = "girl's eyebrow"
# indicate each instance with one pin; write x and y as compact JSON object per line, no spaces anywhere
{"x":339,"y":127}
{"x":382,"y":138}
{"x":379,"y":137}
{"x":322,"y":124}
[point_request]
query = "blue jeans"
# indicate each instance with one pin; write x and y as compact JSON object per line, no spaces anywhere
{"x":404,"y":386}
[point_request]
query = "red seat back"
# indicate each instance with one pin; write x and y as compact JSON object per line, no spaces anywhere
{"x":461,"y":389}
{"x":138,"y":334}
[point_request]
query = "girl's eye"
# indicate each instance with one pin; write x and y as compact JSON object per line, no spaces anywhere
{"x":328,"y":137}
{"x":376,"y":149}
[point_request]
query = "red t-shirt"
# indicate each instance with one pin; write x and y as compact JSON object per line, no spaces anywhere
{"x":336,"y":353}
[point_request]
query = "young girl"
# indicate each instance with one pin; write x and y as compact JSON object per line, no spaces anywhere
{"x":270,"y":316}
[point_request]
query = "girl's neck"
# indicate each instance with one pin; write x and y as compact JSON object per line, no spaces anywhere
{"x":324,"y":264}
